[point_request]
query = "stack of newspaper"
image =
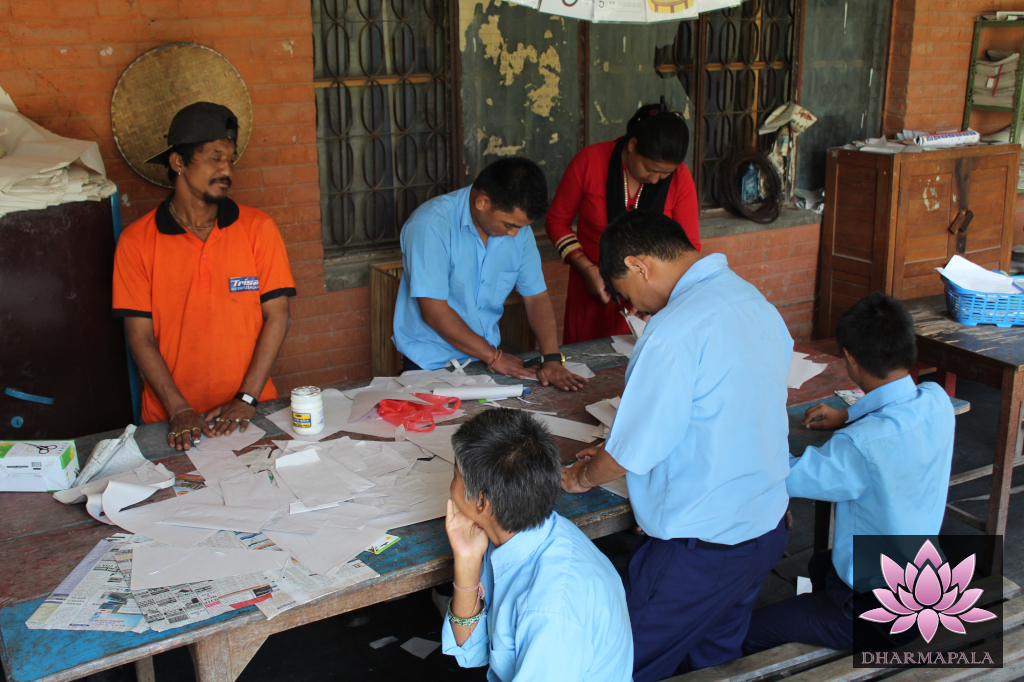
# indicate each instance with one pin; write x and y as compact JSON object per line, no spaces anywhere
{"x":98,"y":595}
{"x":994,"y":80}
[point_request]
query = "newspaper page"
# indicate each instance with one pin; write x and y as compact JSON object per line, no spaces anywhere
{"x":178,"y":605}
{"x":300,"y":585}
{"x":94,"y":596}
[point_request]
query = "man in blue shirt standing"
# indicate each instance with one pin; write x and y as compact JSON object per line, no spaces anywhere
{"x":887,"y":470}
{"x":462,"y":253}
{"x":534,"y":598}
{"x":701,"y":434}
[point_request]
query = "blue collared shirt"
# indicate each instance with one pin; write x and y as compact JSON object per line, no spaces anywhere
{"x":702,"y":425}
{"x":443,"y":257}
{"x":555,"y":611}
{"x":887,"y":470}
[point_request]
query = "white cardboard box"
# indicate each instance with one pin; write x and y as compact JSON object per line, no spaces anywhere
{"x":37,"y":466}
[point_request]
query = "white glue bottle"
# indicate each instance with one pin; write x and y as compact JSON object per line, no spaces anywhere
{"x":307,"y":411}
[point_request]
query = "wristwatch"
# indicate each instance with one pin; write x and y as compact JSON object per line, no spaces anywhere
{"x":553,"y":357}
{"x":247,"y":399}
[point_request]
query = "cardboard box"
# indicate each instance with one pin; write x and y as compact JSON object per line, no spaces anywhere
{"x":43,"y":466}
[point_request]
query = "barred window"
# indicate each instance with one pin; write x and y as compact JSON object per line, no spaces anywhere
{"x":382,"y":88}
{"x":742,"y":70}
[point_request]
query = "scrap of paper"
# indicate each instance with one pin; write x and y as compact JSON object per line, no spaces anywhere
{"x":420,"y":647}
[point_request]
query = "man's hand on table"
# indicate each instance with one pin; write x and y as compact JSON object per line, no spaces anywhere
{"x":511,"y":366}
{"x":572,"y":477}
{"x":822,"y":417}
{"x":234,"y":413}
{"x":555,"y":374}
{"x":186,"y":429}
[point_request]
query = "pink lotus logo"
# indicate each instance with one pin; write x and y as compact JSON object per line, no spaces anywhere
{"x":927,"y":592}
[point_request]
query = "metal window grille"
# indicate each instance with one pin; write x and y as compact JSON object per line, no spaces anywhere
{"x":382,"y":84}
{"x":743,"y":70}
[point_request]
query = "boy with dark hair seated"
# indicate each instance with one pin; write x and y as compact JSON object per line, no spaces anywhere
{"x":886,"y":468}
{"x":534,"y":598}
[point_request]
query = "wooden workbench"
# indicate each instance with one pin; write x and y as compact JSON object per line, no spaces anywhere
{"x":41,"y":540}
{"x":991,"y":356}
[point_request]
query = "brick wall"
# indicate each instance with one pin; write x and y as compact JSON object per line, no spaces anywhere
{"x":930,"y":54}
{"x":60,"y":61}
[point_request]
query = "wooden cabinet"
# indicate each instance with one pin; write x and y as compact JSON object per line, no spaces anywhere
{"x":891,"y":219}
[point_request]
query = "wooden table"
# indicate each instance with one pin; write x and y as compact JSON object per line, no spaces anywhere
{"x":41,"y":540}
{"x":991,"y":356}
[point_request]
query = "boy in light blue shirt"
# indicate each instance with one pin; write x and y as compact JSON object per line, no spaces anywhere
{"x":886,"y":468}
{"x":462,"y":254}
{"x":534,"y":598}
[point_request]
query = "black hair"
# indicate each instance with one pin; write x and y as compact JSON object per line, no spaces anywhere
{"x":510,"y":457}
{"x":878,"y":330}
{"x":515,"y":183}
{"x":639,"y":233}
{"x":661,"y":135}
{"x":187,"y":152}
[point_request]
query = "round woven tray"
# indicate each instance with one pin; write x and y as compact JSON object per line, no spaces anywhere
{"x":157,"y":85}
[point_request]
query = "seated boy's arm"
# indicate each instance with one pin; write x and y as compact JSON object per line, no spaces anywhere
{"x":834,"y":472}
{"x":474,"y":651}
{"x":823,"y":417}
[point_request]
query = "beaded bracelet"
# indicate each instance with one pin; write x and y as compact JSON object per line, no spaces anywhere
{"x":465,"y":622}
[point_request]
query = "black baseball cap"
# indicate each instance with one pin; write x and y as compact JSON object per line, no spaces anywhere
{"x":199,"y":122}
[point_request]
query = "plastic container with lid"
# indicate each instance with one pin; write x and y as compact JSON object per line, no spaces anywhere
{"x":307,"y":411}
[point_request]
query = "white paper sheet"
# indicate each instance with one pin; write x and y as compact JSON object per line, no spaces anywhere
{"x":236,"y":441}
{"x":336,"y":410}
{"x":366,"y":400}
{"x":316,"y":481}
{"x":328,"y":548}
{"x":803,"y":585}
{"x":350,"y":515}
{"x":972,"y":277}
{"x":303,"y":524}
{"x":623,"y":345}
{"x":255,"y":490}
{"x":438,"y":441}
{"x":148,"y":474}
{"x":801,"y":369}
{"x":220,"y":517}
{"x":216,"y":466}
{"x":383,"y":641}
{"x":617,"y":486}
{"x":434,"y":508}
{"x":419,"y":647}
{"x":145,"y":520}
{"x":165,"y":566}
{"x":603,"y":411}
{"x":585,"y":433}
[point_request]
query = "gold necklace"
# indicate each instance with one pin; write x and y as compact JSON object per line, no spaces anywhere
{"x":625,"y":191}
{"x":193,"y":228}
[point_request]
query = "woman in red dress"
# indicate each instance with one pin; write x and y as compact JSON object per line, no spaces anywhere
{"x":641,"y":170}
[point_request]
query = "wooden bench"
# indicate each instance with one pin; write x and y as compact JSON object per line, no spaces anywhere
{"x":809,"y":663}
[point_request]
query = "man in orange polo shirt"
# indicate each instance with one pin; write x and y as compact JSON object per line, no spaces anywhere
{"x":203,"y":285}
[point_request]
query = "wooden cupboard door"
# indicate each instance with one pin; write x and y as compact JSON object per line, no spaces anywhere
{"x":928,"y":204}
{"x":855,"y":239}
{"x":991,"y":193}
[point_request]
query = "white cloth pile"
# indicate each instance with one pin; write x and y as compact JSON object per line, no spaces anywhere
{"x":40,"y":169}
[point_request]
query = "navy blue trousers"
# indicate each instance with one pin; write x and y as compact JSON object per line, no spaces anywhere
{"x":824,"y":617}
{"x":689,"y":607}
{"x":408,"y":365}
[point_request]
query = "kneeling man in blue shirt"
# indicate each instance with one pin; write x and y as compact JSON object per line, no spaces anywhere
{"x":534,"y":598}
{"x":702,"y":435}
{"x":886,"y":468}
{"x":462,"y":253}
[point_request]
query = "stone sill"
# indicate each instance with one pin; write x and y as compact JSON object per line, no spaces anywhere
{"x":354,"y":271}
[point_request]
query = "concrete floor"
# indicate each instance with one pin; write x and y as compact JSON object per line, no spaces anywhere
{"x":335,"y":649}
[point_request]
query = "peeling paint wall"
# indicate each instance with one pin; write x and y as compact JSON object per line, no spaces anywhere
{"x":520,"y":91}
{"x":520,"y":86}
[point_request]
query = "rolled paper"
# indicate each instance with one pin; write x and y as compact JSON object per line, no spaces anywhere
{"x":942,"y":139}
{"x":488,"y":392}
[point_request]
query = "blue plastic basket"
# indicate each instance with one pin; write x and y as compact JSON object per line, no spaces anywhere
{"x":972,"y":308}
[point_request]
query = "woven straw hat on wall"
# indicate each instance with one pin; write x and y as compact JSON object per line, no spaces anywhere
{"x":159,"y":83}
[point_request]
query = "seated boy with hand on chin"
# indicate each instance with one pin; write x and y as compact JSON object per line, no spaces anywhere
{"x":534,"y":598}
{"x":886,"y":468}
